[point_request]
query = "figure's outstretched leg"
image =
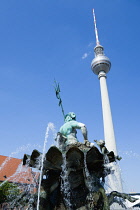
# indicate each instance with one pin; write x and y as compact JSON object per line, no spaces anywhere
{"x":121,"y":195}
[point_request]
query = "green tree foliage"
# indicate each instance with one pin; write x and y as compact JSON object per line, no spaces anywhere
{"x":8,"y":192}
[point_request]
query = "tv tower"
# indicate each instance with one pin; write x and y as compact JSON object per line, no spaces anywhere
{"x":100,"y":66}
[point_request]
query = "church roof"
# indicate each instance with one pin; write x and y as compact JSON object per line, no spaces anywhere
{"x":12,"y":170}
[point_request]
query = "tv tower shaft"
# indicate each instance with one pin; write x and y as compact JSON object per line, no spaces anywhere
{"x":101,"y":66}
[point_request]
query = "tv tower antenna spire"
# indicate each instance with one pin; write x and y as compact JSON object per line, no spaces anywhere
{"x":95,"y":26}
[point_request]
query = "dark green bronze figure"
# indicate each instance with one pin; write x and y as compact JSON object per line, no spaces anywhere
{"x":68,"y":129}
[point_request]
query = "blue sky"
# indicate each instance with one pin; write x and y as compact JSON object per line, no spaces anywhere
{"x":45,"y":40}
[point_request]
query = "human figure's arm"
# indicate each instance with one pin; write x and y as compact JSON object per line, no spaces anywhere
{"x":78,"y":125}
{"x":83,"y":130}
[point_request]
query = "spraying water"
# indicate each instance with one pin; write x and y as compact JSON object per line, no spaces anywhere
{"x":87,"y":175}
{"x":19,"y":151}
{"x":49,"y":127}
{"x":65,"y":185}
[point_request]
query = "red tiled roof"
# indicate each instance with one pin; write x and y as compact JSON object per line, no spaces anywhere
{"x":12,"y":170}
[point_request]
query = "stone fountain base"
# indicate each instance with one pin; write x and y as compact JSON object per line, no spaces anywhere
{"x":74,"y":177}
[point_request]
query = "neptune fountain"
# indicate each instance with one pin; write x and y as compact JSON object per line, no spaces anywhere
{"x":73,"y":173}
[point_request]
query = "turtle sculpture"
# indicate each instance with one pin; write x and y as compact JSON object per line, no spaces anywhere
{"x":74,"y":173}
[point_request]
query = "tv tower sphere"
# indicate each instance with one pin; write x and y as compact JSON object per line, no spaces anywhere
{"x":100,"y":62}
